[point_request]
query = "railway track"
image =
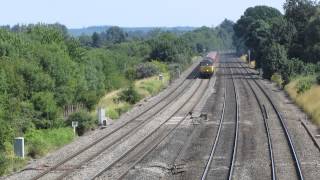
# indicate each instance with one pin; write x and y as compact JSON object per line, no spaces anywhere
{"x":295,"y":160}
{"x":265,"y":122}
{"x":155,"y":129}
{"x":175,"y":93}
{"x":230,"y":111}
{"x":167,"y":131}
{"x":173,"y":143}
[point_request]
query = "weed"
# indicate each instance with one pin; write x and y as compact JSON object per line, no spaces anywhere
{"x":39,"y":142}
{"x":276,"y":77}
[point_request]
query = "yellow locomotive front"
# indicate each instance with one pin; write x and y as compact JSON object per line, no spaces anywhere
{"x":206,"y":68}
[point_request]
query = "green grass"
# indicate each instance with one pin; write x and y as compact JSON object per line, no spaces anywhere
{"x":151,"y":86}
{"x":40,"y":142}
{"x":277,"y":79}
{"x":309,"y":99}
{"x":10,"y":163}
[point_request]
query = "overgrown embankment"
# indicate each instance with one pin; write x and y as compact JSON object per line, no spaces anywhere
{"x":306,"y":93}
{"x":116,"y":105}
{"x":49,"y":78}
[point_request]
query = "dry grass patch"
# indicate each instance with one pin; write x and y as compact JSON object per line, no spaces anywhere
{"x":309,"y":100}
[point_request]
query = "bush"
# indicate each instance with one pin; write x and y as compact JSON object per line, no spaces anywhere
{"x":85,"y":121}
{"x":146,"y":70}
{"x":39,"y":142}
{"x":113,"y":114}
{"x":6,"y":134}
{"x":277,"y":78}
{"x":131,"y":74}
{"x":163,"y":68}
{"x":303,"y":85}
{"x":3,"y":163}
{"x":9,"y":164}
{"x":123,"y":109}
{"x":318,"y":79}
{"x":130,"y":95}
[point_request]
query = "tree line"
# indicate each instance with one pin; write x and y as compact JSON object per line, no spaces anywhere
{"x":43,"y":69}
{"x":287,"y":44}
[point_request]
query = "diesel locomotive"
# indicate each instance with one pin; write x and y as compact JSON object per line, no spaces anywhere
{"x":207,"y":65}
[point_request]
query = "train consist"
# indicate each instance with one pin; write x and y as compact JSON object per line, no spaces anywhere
{"x":208,"y":65}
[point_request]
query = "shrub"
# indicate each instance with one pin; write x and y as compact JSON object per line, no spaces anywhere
{"x":303,"y":85}
{"x":318,"y":79}
{"x":9,"y":164}
{"x":3,"y":163}
{"x":162,"y":67}
{"x":131,"y":74}
{"x":6,"y":134}
{"x":277,"y":78}
{"x":85,"y":121}
{"x":123,"y":109}
{"x":90,"y":99}
{"x":113,"y":114}
{"x":39,"y":142}
{"x":146,"y":70}
{"x":130,"y":95}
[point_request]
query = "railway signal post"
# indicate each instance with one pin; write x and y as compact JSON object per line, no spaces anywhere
{"x":74,"y":125}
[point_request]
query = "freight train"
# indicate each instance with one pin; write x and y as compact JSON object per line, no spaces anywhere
{"x":208,"y":64}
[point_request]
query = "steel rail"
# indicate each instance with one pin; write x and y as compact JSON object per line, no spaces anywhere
{"x":145,"y":138}
{"x":194,"y":74}
{"x":214,"y":146}
{"x":267,"y":129}
{"x":125,"y":172}
{"x":284,"y":127}
{"x":114,"y":141}
{"x":235,"y":143}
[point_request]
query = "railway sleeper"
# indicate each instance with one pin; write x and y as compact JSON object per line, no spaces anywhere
{"x":178,"y":168}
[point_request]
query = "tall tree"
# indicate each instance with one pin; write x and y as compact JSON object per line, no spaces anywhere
{"x":115,"y":35}
{"x":299,"y":13}
{"x":96,"y":40}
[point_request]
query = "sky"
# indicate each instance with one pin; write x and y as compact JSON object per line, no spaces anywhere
{"x":127,"y":13}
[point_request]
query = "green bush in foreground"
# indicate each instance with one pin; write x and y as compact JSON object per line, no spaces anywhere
{"x":130,"y":95}
{"x":39,"y":142}
{"x":3,"y":163}
{"x":10,"y":164}
{"x":113,"y":114}
{"x":304,"y":85}
{"x":85,"y":121}
{"x":277,"y":79}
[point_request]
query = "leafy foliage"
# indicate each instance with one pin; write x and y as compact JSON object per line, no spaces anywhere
{"x":304,"y":85}
{"x":286,"y":44}
{"x":39,"y":142}
{"x":129,"y":95}
{"x":277,"y":79}
{"x":146,"y":70}
{"x":84,"y":119}
{"x":43,"y":71}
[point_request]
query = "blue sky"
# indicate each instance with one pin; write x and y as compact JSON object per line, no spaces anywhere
{"x":129,"y":13}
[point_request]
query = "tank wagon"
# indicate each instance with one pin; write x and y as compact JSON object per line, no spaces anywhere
{"x":207,"y":65}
